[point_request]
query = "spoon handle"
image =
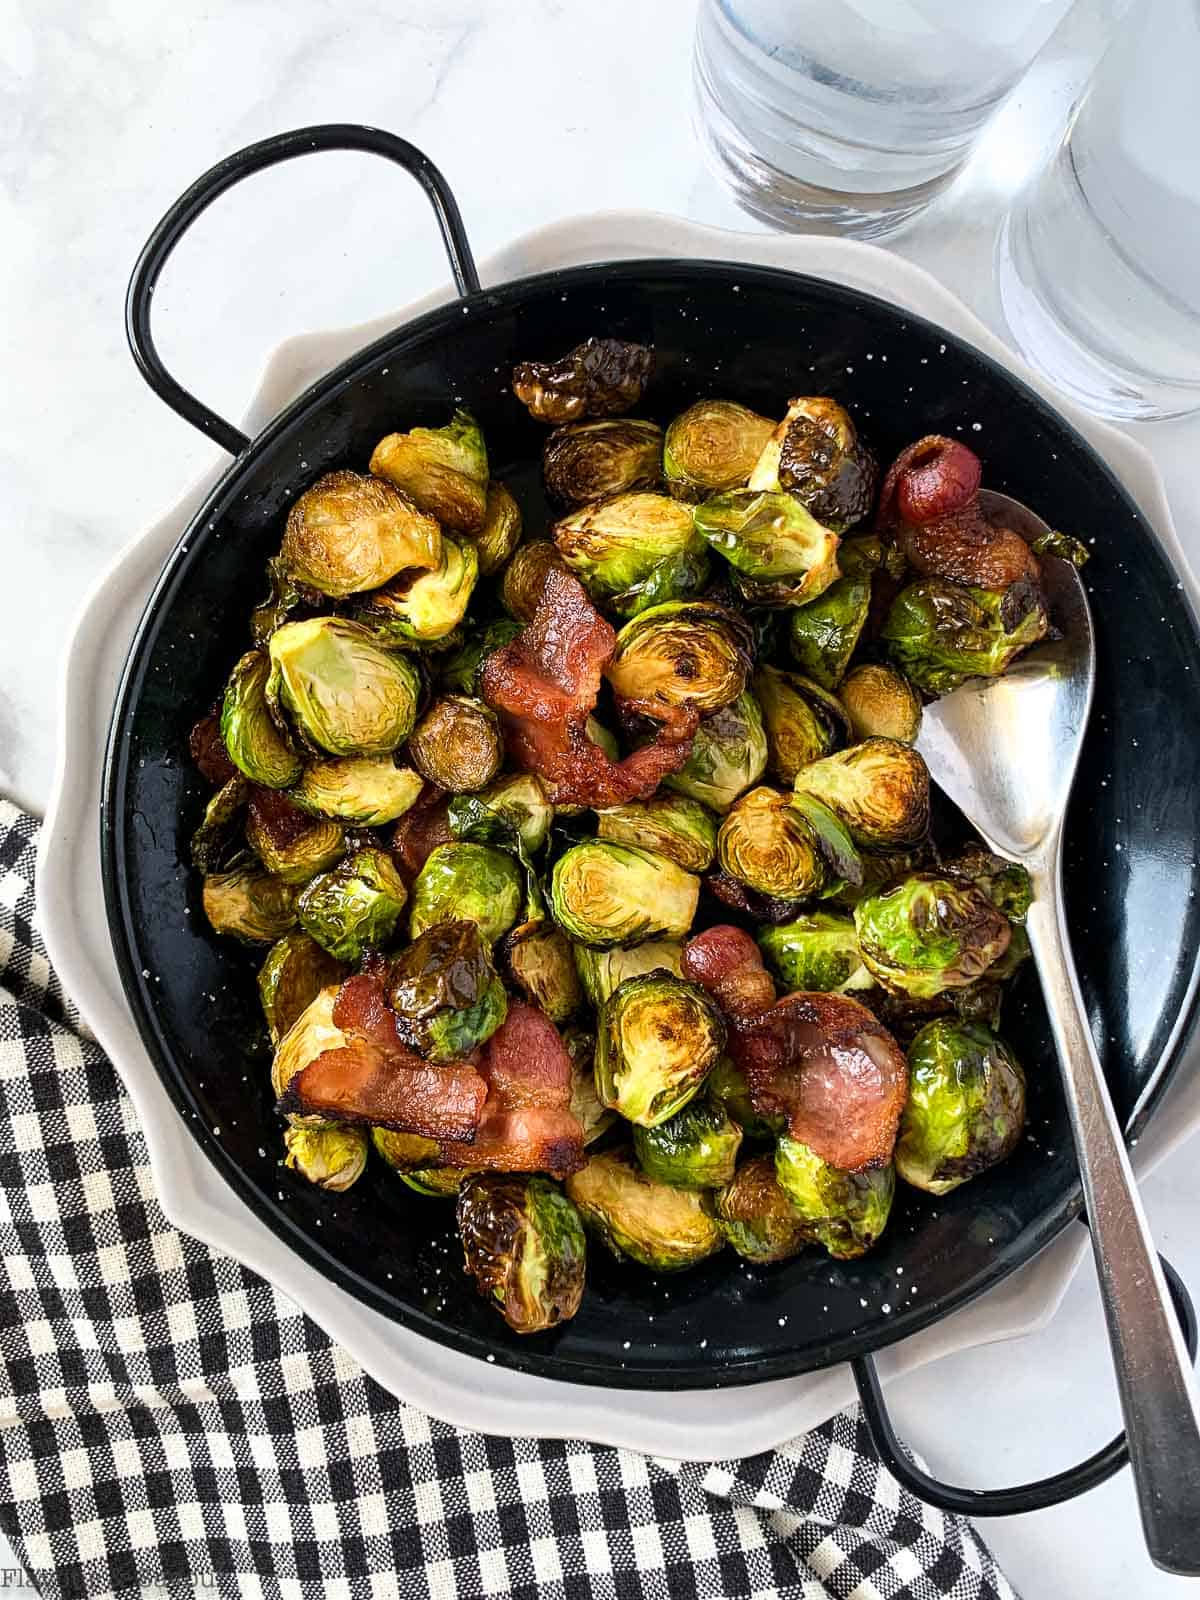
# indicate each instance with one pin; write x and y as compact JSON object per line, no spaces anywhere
{"x":1158,"y":1393}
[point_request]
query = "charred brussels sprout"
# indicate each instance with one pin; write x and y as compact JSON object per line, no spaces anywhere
{"x":348,"y":695}
{"x":525,"y":577}
{"x":780,"y":554}
{"x":844,"y":1211}
{"x":634,"y":551}
{"x":818,"y":951}
{"x":802,"y":722}
{"x":406,"y":1152}
{"x":354,"y":907}
{"x":461,"y":672}
{"x":815,"y":454}
{"x":727,"y":1088}
{"x":331,"y":1157}
{"x":456,"y":744}
{"x":309,"y":1036}
{"x":1006,"y":883}
{"x":501,"y":531}
{"x":765,"y":844}
{"x":599,"y":378}
{"x":445,"y":992}
{"x":298,"y":855}
{"x":879,"y":789}
{"x":472,"y":882}
{"x":695,"y":1149}
{"x":685,"y":653}
{"x":657,"y":1036}
{"x":538,"y":960}
{"x":755,"y":1215}
{"x":672,"y":825}
{"x":590,"y":461}
{"x":367,"y":790}
{"x":519,"y":800}
{"x":966,"y":1105}
{"x":1062,"y":545}
{"x":728,"y":756}
{"x":712,"y":446}
{"x":940,"y":634}
{"x":605,"y":894}
{"x":881,"y":703}
{"x":586,"y":1107}
{"x":212,"y":841}
{"x":824,"y":632}
{"x":442,"y":470}
{"x":640,"y":1220}
{"x":428,"y":607}
{"x":249,"y":904}
{"x":929,"y":934}
{"x":524,"y":1245}
{"x":350,"y":533}
{"x":291,"y":978}
{"x":436,"y":1183}
{"x":253,"y":738}
{"x":601,"y":971}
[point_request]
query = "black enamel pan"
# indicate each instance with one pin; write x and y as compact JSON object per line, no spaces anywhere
{"x":760,"y":335}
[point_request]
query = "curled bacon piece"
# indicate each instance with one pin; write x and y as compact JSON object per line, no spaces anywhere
{"x":544,"y":684}
{"x":421,"y":829}
{"x":208,"y":750}
{"x":726,"y":961}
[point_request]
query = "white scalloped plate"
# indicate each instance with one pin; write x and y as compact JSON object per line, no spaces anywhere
{"x":693,"y":1425}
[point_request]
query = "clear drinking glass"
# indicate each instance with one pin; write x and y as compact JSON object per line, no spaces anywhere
{"x":1099,"y":260}
{"x":851,"y":115}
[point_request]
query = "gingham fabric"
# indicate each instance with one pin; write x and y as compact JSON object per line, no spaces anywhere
{"x":172,"y":1425}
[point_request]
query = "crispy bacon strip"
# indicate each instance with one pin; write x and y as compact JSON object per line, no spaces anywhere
{"x":726,"y":961}
{"x":544,"y":684}
{"x":278,"y":817}
{"x":208,"y":750}
{"x":421,"y":830}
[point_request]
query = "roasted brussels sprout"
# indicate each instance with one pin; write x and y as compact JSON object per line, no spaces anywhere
{"x":586,"y":1107}
{"x":817,"y":951}
{"x":600,"y":971}
{"x":291,"y":978}
{"x":729,"y":755}
{"x":249,"y":904}
{"x":253,"y":738}
{"x":445,"y":992}
{"x":295,"y":854}
{"x":501,"y":531}
{"x":801,"y":720}
{"x":656,"y":1038}
{"x":367,"y":790}
{"x":461,"y":672}
{"x":727,"y":1088}
{"x":966,"y":1105}
{"x":695,"y":1149}
{"x":331,"y":1157}
{"x":538,"y":959}
{"x":940,"y":634}
{"x":929,"y":934}
{"x":687,"y":653}
{"x":1062,"y":545}
{"x":442,"y":470}
{"x":764,"y":843}
{"x":1006,"y":883}
{"x":523,"y":1243}
{"x":350,"y":533}
{"x":879,"y":789}
{"x":456,"y":744}
{"x":406,"y":1152}
{"x":770,"y":539}
{"x":472,"y":882}
{"x":519,"y":800}
{"x":348,"y":695}
{"x":634,"y":551}
{"x":671,"y":825}
{"x":599,"y":378}
{"x":824,"y":632}
{"x":844,"y":1211}
{"x":640,"y":1220}
{"x":815,"y":454}
{"x":605,"y":894}
{"x":437,"y":1183}
{"x":590,"y":461}
{"x":841,"y":856}
{"x":427,"y":607}
{"x":310,"y":1035}
{"x":881,"y":703}
{"x":525,"y":577}
{"x":212,"y":840}
{"x":355,"y":906}
{"x":712,"y":446}
{"x":755,"y":1215}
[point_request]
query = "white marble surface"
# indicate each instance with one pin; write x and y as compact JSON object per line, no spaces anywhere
{"x":535,"y":110}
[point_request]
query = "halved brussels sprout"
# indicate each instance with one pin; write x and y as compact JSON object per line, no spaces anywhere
{"x":605,"y":894}
{"x":445,"y":991}
{"x":249,"y":904}
{"x":472,"y":882}
{"x":817,"y":951}
{"x":367,"y":790}
{"x":940,"y":634}
{"x":586,"y":1106}
{"x":589,"y":461}
{"x":355,"y":906}
{"x":672,"y":825}
{"x":711,"y":446}
{"x":331,"y":1157}
{"x":729,"y":756}
{"x":255,"y":743}
{"x":406,"y":1152}
{"x":350,"y":533}
{"x":640,"y":1220}
{"x":824,"y":632}
{"x":290,"y":979}
{"x":442,"y":470}
{"x":881,"y":702}
{"x":634,"y":551}
{"x":348,"y":695}
{"x":428,"y":607}
{"x":519,"y":799}
{"x":476,"y":823}
{"x":523,"y":1243}
{"x":501,"y":531}
{"x":212,"y":840}
{"x":295,"y":856}
{"x":601,"y":971}
{"x":538,"y":960}
{"x":844,"y":1211}
{"x":686,"y":653}
{"x":727,"y":1088}
{"x":929,"y":934}
{"x":657,"y":1036}
{"x":815,"y":453}
{"x":966,"y":1105}
{"x":1006,"y":883}
{"x":770,"y":538}
{"x":801,"y":720}
{"x":879,"y":789}
{"x":525,"y":577}
{"x":598,"y":378}
{"x":841,"y":856}
{"x":765,"y":843}
{"x":439,"y":1183}
{"x":456,"y":744}
{"x":310,"y":1035}
{"x":462,"y":671}
{"x":695,"y":1149}
{"x":755,"y":1215}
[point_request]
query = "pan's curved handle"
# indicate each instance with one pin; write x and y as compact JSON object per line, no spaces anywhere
{"x":267,"y":153}
{"x":1024,"y":1497}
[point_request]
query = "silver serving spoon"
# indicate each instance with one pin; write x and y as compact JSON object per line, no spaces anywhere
{"x":1005,"y":752}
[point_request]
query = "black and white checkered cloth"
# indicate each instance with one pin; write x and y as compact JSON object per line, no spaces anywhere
{"x":170,"y":1424}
